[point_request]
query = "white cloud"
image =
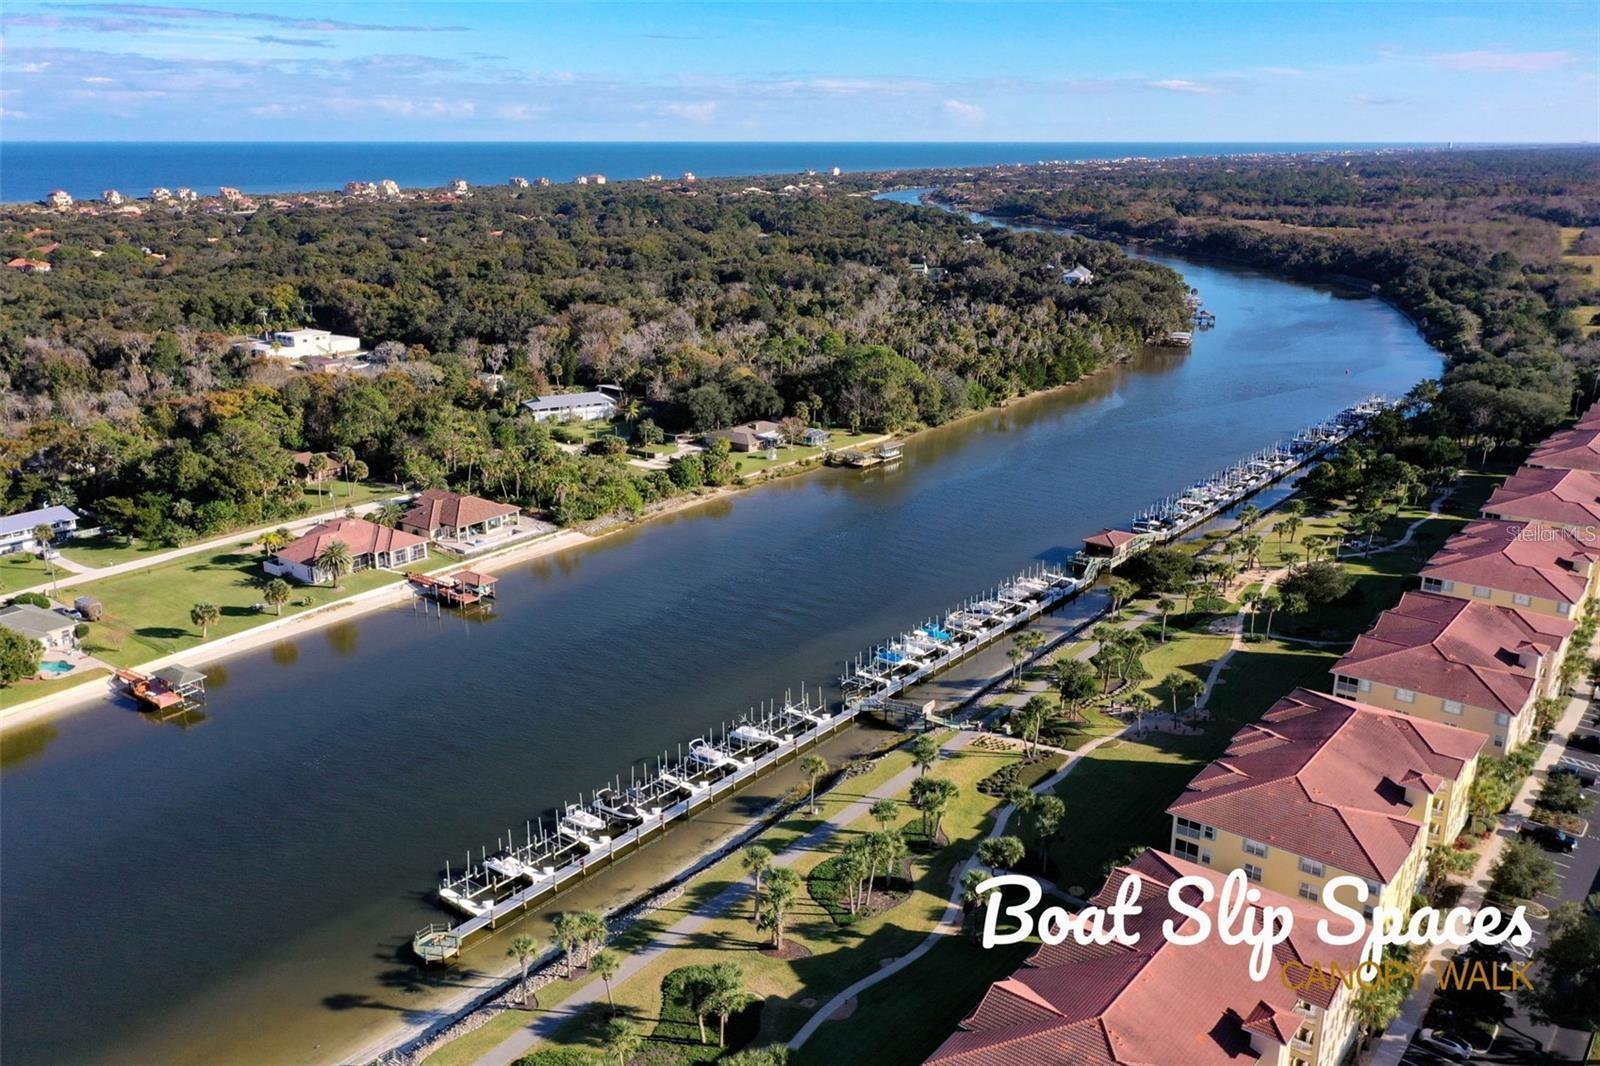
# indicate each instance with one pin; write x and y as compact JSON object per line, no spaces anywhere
{"x":700,"y":111}
{"x":1182,"y":85}
{"x":961,"y":111}
{"x":97,"y":81}
{"x":1486,"y":62}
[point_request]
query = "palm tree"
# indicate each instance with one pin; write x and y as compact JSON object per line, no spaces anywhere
{"x":1031,"y":717}
{"x":1001,"y":853}
{"x":891,"y":849}
{"x":357,"y":471}
{"x":631,"y":410}
{"x":1140,"y":704}
{"x":1291,"y":526}
{"x":728,"y":996}
{"x":1269,"y":601}
{"x":1251,"y":546}
{"x":1121,"y":591}
{"x":388,"y":514}
{"x":523,"y":949}
{"x":276,"y":593}
{"x":931,"y":796}
{"x":969,"y":897}
{"x":783,"y":884}
{"x":756,"y":860}
{"x":1248,"y":515}
{"x":593,"y":931}
{"x":606,"y":964}
{"x":1016,"y":655}
{"x":813,"y":766}
{"x":1075,"y":682}
{"x":569,"y":934}
{"x":924,"y":753}
{"x":317,"y":469}
{"x":336,"y":560}
{"x":205,"y":616}
{"x":272,"y":542}
{"x":623,"y":1040}
{"x":1045,"y":814}
{"x":1164,"y":607}
{"x":1173,"y":682}
{"x":885,"y":811}
{"x":45,"y":534}
{"x":1248,"y":601}
{"x":1030,"y":641}
{"x":1193,"y":688}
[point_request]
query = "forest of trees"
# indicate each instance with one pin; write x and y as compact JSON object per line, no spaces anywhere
{"x":128,"y":390}
{"x":1468,"y":243}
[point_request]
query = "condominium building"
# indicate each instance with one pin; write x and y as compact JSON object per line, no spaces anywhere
{"x":1323,"y":787}
{"x":1461,"y":662}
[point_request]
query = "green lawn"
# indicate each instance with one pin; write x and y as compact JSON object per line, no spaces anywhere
{"x":747,"y":463}
{"x":23,"y":691}
{"x":147,"y":611}
{"x":21,"y":570}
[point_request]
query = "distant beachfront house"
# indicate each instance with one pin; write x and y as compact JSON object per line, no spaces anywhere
{"x":29,"y":266}
{"x":439,"y":514}
{"x":750,"y":437}
{"x":1078,"y":275}
{"x":16,"y":530}
{"x":301,"y":343}
{"x":47,"y":627}
{"x":572,"y":406}
{"x":372,"y":547}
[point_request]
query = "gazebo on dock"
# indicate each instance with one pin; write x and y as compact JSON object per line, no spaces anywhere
{"x":169,"y":691}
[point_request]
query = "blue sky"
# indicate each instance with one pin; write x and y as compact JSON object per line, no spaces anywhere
{"x":1129,"y":71}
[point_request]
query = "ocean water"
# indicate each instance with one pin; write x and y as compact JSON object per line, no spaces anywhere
{"x":30,"y":169}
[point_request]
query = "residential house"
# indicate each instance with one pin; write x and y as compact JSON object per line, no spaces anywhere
{"x":372,"y":547}
{"x":1461,"y":662}
{"x":439,"y":514}
{"x":1078,"y":275}
{"x":1157,"y":1002}
{"x":1568,"y":498}
{"x":302,"y":343}
{"x":572,"y":407}
{"x":29,"y":266}
{"x":1548,"y":569}
{"x":16,"y":530}
{"x":1323,"y":787}
{"x":55,"y":631}
{"x":59,"y":199}
{"x":1571,"y":449}
{"x":303,"y":467}
{"x":751,"y":437}
{"x":815,"y":438}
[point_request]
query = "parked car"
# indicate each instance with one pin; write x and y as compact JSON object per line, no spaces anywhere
{"x":1548,"y":837}
{"x":1585,"y":779}
{"x":1585,"y":742}
{"x":1448,"y":1046}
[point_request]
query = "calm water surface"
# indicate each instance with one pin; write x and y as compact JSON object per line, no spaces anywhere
{"x":243,"y":890}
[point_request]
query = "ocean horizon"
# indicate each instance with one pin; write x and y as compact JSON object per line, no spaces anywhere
{"x":29,"y":170}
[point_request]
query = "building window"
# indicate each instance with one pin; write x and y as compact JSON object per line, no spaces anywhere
{"x":1195,"y":830}
{"x":1563,"y":608}
{"x":1312,"y":868}
{"x":1405,"y":695}
{"x":1481,"y":592}
{"x":1309,"y":891}
{"x":1502,"y":719}
{"x":1452,"y":706}
{"x":1193,"y":852}
{"x":1253,"y":872}
{"x":1252,"y":847}
{"x":1499,"y":742}
{"x":1433,"y":584}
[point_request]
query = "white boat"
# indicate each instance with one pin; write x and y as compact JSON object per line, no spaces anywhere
{"x":708,"y":755}
{"x":508,"y":867}
{"x":753,"y":736}
{"x":583,"y":826}
{"x":615,"y":805}
{"x":470,"y":907}
{"x":683,"y":784}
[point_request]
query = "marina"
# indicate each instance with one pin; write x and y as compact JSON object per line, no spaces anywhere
{"x":616,"y":819}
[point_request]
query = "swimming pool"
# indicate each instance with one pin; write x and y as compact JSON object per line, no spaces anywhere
{"x":55,"y":668}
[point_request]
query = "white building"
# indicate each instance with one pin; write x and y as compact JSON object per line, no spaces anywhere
{"x":16,"y":530}
{"x":572,"y":407}
{"x":1078,"y":275}
{"x":301,"y":343}
{"x":389,"y":189}
{"x":519,"y":183}
{"x":160,"y":194}
{"x":112,"y":197}
{"x":60,"y":198}
{"x":459,"y":186}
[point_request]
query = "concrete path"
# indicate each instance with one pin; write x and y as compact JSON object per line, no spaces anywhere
{"x":682,"y":932}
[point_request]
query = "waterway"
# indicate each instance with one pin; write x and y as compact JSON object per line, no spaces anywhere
{"x":243,"y":890}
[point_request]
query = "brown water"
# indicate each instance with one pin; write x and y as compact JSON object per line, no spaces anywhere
{"x":245,"y":890}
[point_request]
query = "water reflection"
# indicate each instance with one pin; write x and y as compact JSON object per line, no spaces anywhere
{"x":285,"y":653}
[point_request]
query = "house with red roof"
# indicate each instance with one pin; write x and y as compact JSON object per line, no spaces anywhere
{"x":1569,"y":498}
{"x":1112,"y":545}
{"x":1577,"y":448}
{"x":1543,"y":568}
{"x":1460,"y":662}
{"x":1324,"y":787}
{"x":371,"y":546}
{"x":439,"y":514}
{"x":1157,"y":1002}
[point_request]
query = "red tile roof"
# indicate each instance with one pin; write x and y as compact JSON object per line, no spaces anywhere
{"x":1565,"y":497}
{"x":1590,"y":419}
{"x":1110,"y":538}
{"x":1154,"y":1003}
{"x":1478,"y":654}
{"x":1325,"y":778}
{"x":1531,"y":558}
{"x":359,"y":535}
{"x":436,"y":508}
{"x":1577,"y":448}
